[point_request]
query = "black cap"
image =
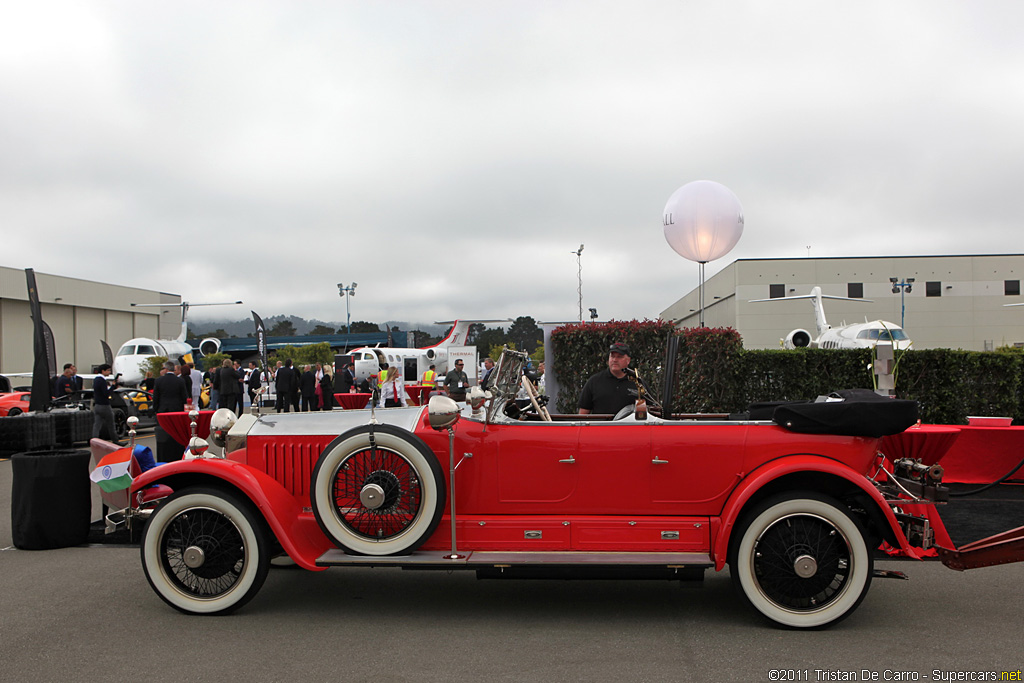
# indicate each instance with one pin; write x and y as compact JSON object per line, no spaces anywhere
{"x":619,"y":347}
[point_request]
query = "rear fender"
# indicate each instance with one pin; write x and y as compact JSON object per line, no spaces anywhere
{"x":799,"y":464}
{"x":299,"y":537}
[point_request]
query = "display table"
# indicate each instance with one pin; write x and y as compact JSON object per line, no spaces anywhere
{"x":418,"y":393}
{"x":352,"y":401}
{"x":179,"y":425}
{"x":981,"y":455}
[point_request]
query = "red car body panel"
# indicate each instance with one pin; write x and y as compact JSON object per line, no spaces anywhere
{"x":561,"y":486}
{"x":17,"y":399}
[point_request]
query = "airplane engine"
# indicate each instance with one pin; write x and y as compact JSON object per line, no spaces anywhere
{"x":209,"y":346}
{"x":430,"y":354}
{"x":797,"y":339}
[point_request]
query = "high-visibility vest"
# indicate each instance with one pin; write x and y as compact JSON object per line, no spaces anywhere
{"x":429,"y":379}
{"x":382,"y":377}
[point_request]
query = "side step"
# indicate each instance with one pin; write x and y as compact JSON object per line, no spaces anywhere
{"x":437,"y":559}
{"x":1003,"y":548}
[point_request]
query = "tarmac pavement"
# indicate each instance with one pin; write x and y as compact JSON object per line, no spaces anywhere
{"x":87,"y":614}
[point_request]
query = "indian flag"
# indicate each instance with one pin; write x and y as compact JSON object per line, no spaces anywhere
{"x":113,"y":472}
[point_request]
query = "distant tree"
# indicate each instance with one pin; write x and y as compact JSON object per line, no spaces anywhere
{"x":474,"y":331}
{"x":361,"y":326}
{"x":219,"y":333}
{"x":490,"y":338}
{"x":282,"y":328}
{"x":307,"y":354}
{"x":321,"y":330}
{"x":525,"y":333}
{"x":214,"y":360}
{"x":153,"y":365}
{"x":421,"y":339}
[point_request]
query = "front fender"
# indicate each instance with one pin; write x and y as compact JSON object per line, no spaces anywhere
{"x":802,"y":464}
{"x":301,"y":538}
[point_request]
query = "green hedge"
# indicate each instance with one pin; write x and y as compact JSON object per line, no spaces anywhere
{"x":715,"y":374}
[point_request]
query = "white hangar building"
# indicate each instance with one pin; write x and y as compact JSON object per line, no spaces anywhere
{"x":80,"y":313}
{"x":953,"y":302}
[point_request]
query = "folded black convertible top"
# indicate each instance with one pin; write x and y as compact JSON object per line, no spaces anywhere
{"x":861,"y":412}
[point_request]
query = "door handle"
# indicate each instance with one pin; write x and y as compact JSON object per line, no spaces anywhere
{"x":658,"y":461}
{"x":571,"y":460}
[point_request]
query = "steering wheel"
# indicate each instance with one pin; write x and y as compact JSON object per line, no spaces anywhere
{"x":624,"y":412}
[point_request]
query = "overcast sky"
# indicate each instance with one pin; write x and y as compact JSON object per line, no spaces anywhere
{"x":450,"y":157}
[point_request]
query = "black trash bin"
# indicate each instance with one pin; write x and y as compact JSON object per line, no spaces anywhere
{"x":50,"y":499}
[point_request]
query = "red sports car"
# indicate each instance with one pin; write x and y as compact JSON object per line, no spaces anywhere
{"x":796,"y":507}
{"x":14,"y":403}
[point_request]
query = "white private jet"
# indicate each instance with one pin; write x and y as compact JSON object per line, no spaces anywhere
{"x":863,"y":335}
{"x":367,"y":359}
{"x":134,"y":352}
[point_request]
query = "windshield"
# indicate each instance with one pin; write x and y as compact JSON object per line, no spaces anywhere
{"x":895,"y":334}
{"x":126,"y":351}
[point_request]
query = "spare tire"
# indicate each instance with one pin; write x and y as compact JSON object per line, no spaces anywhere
{"x":378,"y":490}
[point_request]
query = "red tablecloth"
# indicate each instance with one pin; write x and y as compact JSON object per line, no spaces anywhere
{"x":418,"y":393}
{"x":179,"y":427}
{"x":927,"y":443}
{"x":352,"y":401}
{"x":981,"y":455}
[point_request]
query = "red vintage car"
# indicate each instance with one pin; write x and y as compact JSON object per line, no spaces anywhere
{"x":511,"y":491}
{"x":14,"y":403}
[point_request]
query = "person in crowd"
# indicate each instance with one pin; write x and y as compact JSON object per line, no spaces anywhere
{"x":66,"y":382}
{"x":392,"y":392}
{"x":197,"y":384}
{"x":429,"y":379}
{"x":186,"y":377}
{"x":103,"y":414}
{"x":610,"y":390}
{"x":214,"y":388}
{"x":148,"y":381}
{"x":229,"y":386}
{"x":307,"y":387}
{"x":253,"y":383}
{"x":284,"y":382}
{"x":239,"y":406}
{"x":541,"y":389}
{"x":382,"y":375}
{"x":327,"y":389}
{"x":456,"y":382}
{"x":346,"y":380}
{"x":485,"y":376}
{"x":168,"y":397}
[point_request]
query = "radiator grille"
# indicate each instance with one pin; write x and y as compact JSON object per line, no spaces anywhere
{"x":291,"y":463}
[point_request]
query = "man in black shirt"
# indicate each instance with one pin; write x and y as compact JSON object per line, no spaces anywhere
{"x":610,"y":390}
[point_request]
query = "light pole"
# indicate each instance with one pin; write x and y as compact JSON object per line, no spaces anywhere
{"x":579,"y":278}
{"x":347,"y":292}
{"x":903,"y":287}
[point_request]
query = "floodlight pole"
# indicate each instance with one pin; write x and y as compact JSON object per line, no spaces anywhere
{"x":579,"y":278}
{"x":347,"y":292}
{"x":902,"y":286}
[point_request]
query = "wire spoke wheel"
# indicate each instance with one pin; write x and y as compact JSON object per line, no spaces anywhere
{"x":788,"y":550}
{"x":377,"y":493}
{"x":205,"y":551}
{"x":801,"y":559}
{"x":378,"y":490}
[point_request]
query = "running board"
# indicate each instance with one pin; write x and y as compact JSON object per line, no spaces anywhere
{"x":439,"y":559}
{"x":1003,"y":548}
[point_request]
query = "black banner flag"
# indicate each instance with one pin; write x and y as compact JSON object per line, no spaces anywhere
{"x":261,"y":342}
{"x":40,"y":397}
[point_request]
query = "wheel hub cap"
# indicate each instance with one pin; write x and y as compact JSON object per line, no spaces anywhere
{"x":194,"y":557}
{"x":372,"y":496}
{"x":805,"y":566}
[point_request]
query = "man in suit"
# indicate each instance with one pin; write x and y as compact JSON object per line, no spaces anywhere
{"x":230,"y":386}
{"x":169,"y":396}
{"x":307,"y":385}
{"x":285,"y":384}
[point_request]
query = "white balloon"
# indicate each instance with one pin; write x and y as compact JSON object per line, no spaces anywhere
{"x":703,"y":221}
